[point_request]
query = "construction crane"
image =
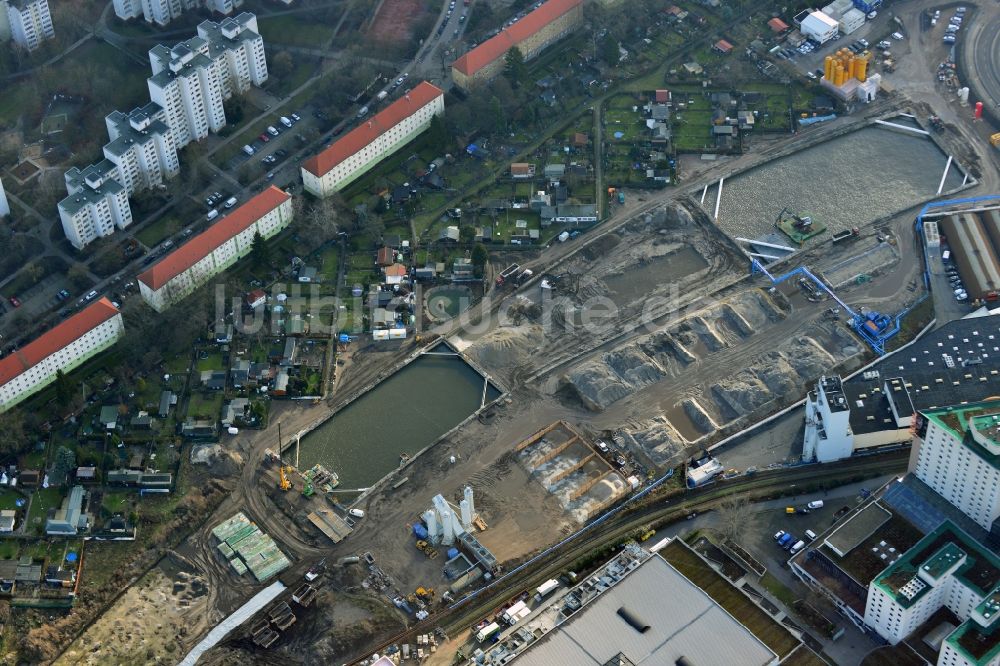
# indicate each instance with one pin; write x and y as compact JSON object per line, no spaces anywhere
{"x":283,"y":481}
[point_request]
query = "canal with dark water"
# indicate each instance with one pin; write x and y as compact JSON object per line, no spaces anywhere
{"x":846,"y":182}
{"x":403,"y":414}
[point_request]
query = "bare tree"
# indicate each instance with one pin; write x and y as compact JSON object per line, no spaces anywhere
{"x":736,"y":518}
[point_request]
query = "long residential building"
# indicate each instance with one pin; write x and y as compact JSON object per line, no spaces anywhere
{"x":64,"y":347}
{"x":375,"y":139}
{"x":97,"y":204}
{"x":193,"y":79}
{"x":531,"y":35}
{"x":214,"y":250}
{"x":27,"y":23}
{"x":162,"y":12}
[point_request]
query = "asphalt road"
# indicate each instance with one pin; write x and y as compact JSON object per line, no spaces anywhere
{"x":982,"y":53}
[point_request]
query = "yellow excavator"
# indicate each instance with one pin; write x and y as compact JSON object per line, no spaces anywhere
{"x":283,"y":481}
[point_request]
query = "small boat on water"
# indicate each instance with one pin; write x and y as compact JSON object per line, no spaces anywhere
{"x":404,"y":458}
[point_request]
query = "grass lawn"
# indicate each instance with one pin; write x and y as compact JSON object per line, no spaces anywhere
{"x":778,"y":590}
{"x":155,"y":233}
{"x":43,"y":500}
{"x":213,"y":361}
{"x":178,"y":365}
{"x":329,"y":263}
{"x":116,"y":502}
{"x":731,"y":599}
{"x":9,"y":548}
{"x":292,"y":30}
{"x":205,"y":405}
{"x":8,"y":499}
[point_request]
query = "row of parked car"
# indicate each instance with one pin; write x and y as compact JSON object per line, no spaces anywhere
{"x":787,"y":540}
{"x":271,"y":131}
{"x":955,"y":280}
{"x":954,"y":23}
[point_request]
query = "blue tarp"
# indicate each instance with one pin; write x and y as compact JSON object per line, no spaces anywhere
{"x":420,"y":531}
{"x":452,"y":553}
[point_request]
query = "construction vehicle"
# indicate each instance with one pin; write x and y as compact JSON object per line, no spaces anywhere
{"x":506,"y":274}
{"x":646,"y":535}
{"x":426,"y":549}
{"x":425,"y":593}
{"x":995,"y":140}
{"x":846,"y":234}
{"x":283,"y":481}
{"x":307,"y":489}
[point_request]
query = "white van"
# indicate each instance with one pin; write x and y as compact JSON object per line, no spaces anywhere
{"x":272,"y":130}
{"x":212,"y":214}
{"x":357,"y":513}
{"x":248,"y":149}
{"x":285,"y":121}
{"x":799,"y":545}
{"x":810,"y":535}
{"x":815,"y":504}
{"x":230,"y":202}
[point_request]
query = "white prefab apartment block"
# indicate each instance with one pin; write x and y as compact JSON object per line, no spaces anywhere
{"x":64,"y":347}
{"x":28,"y":22}
{"x":193,"y":79}
{"x":214,"y":250}
{"x":947,"y":568}
{"x":374,"y":140}
{"x":4,"y":206}
{"x":97,"y":204}
{"x":958,"y":456}
{"x":819,"y":27}
{"x":142,"y":147}
{"x":162,"y":12}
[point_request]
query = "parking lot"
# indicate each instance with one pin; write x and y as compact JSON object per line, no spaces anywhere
{"x":770,"y":517}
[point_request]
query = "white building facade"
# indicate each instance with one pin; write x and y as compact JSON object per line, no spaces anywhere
{"x":4,"y":205}
{"x":28,"y":22}
{"x":142,"y":148}
{"x":192,"y":80}
{"x":63,"y":347}
{"x":961,"y":465}
{"x":364,"y":146}
{"x":162,"y":12}
{"x":819,"y":27}
{"x":97,"y":204}
{"x":209,"y":253}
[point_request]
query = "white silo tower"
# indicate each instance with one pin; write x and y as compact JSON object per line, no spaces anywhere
{"x":433,"y":531}
{"x":447,"y":529}
{"x":466,"y":515}
{"x":471,"y":502}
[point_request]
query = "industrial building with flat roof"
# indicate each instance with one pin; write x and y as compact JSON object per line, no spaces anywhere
{"x":214,"y":250}
{"x":974,"y":241}
{"x":957,"y":363}
{"x":531,"y":35}
{"x":620,"y":615}
{"x":63,"y":347}
{"x":374,"y":139}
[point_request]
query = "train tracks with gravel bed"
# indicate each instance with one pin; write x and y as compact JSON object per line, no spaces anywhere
{"x":673,"y":509}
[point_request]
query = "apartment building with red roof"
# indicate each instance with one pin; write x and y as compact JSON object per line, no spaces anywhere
{"x":214,"y":250}
{"x":532,"y":34}
{"x":63,"y":347}
{"x":373,"y":140}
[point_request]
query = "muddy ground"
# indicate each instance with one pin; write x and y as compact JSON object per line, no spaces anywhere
{"x":150,"y":623}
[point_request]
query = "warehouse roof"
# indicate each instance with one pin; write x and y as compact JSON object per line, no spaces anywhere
{"x":496,"y":47}
{"x":627,"y":620}
{"x":957,"y":363}
{"x":371,"y":129}
{"x":200,"y":246}
{"x":55,"y":339}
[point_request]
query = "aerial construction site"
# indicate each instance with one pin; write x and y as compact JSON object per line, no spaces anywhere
{"x":603,"y":366}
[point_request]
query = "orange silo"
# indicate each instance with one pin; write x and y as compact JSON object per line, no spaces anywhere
{"x":838,"y":78}
{"x":828,"y":68}
{"x":861,"y":71}
{"x":851,"y":64}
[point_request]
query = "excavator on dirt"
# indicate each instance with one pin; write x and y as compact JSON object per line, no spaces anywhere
{"x":283,"y":482}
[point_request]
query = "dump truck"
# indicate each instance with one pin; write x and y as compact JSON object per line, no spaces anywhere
{"x":507,"y":273}
{"x":846,"y":235}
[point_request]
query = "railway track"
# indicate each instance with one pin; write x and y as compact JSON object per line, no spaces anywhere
{"x":481,"y":603}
